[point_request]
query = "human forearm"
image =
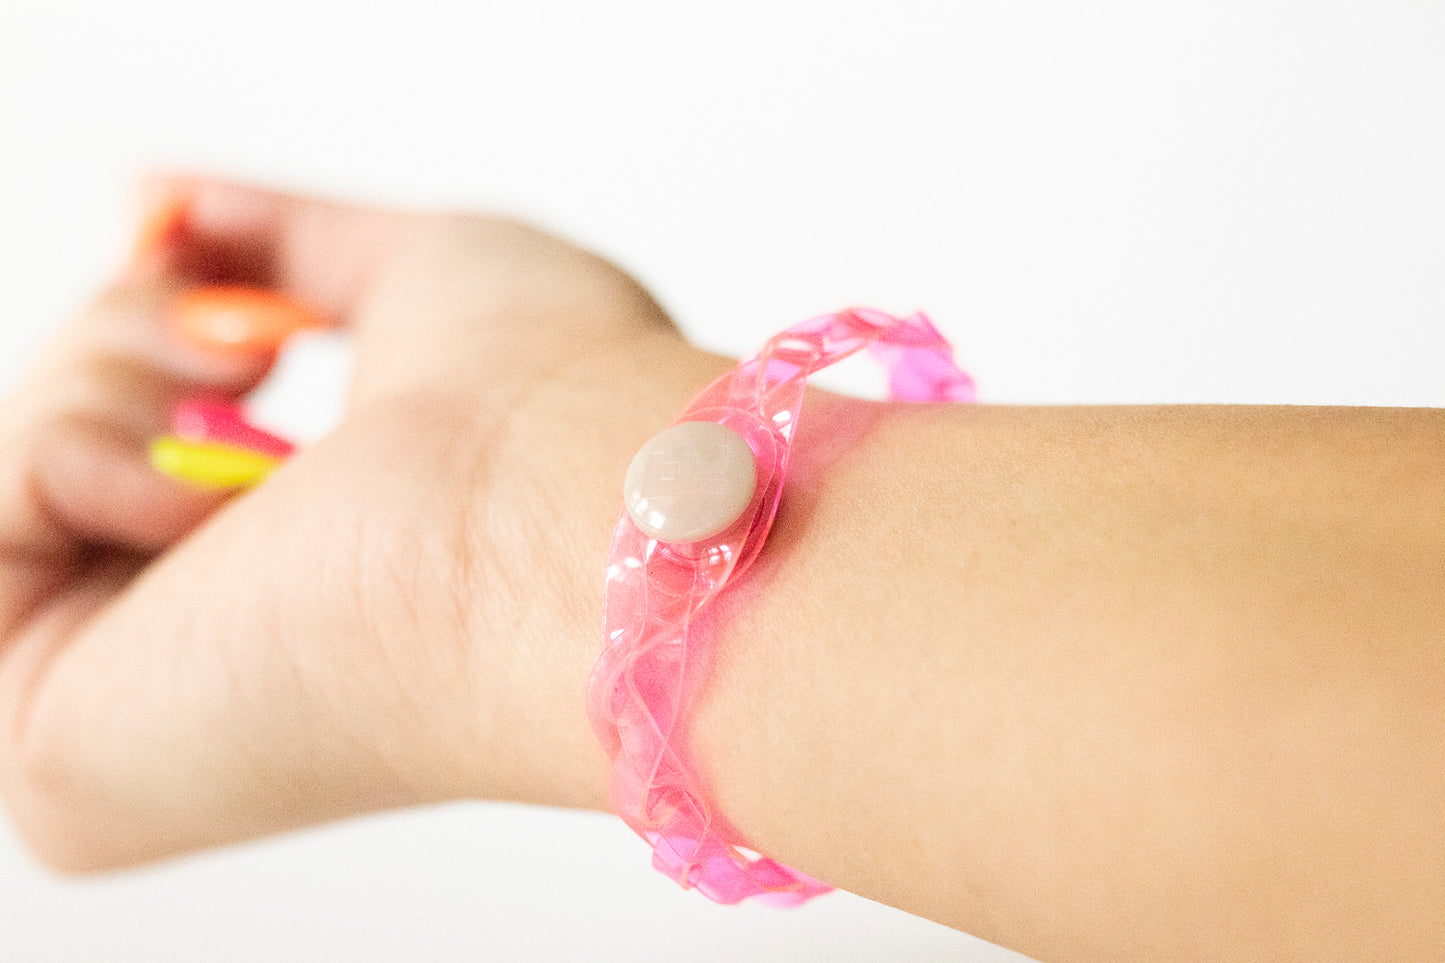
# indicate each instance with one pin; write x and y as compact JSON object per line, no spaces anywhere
{"x":1102,"y":683}
{"x":1090,"y":682}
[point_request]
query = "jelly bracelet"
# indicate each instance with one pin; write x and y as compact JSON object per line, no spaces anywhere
{"x":699,"y":499}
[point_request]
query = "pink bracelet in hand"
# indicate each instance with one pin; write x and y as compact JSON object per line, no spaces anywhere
{"x":700,"y":498}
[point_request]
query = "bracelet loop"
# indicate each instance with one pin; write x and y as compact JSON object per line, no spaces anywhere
{"x":655,"y":628}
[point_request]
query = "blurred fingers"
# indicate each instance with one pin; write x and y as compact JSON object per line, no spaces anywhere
{"x":430,"y":296}
{"x":74,"y":461}
{"x":314,"y":252}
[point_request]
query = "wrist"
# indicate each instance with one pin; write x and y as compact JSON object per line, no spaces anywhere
{"x":552,"y":503}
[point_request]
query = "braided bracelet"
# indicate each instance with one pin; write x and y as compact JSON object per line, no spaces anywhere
{"x":700,"y":498}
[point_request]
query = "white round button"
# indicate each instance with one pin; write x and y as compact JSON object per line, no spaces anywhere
{"x":690,"y":481}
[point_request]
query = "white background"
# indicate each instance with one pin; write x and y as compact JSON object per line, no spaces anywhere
{"x":1224,"y":201}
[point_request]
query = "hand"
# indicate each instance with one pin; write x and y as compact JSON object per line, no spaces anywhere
{"x":404,"y":613}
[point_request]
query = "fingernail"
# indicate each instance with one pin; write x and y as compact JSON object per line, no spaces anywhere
{"x":210,"y":465}
{"x":210,"y":420}
{"x":239,"y":319}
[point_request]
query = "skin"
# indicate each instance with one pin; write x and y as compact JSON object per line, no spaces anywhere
{"x":1093,"y":683}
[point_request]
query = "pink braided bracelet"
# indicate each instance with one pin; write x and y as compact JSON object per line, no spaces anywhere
{"x":700,"y":499}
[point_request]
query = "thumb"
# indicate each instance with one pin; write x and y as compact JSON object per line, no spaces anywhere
{"x":319,"y":252}
{"x":427,"y":294}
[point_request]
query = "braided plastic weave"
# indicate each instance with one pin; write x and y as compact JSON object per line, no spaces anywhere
{"x":657,"y":628}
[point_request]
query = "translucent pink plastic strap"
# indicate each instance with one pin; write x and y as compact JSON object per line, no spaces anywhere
{"x":642,"y":687}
